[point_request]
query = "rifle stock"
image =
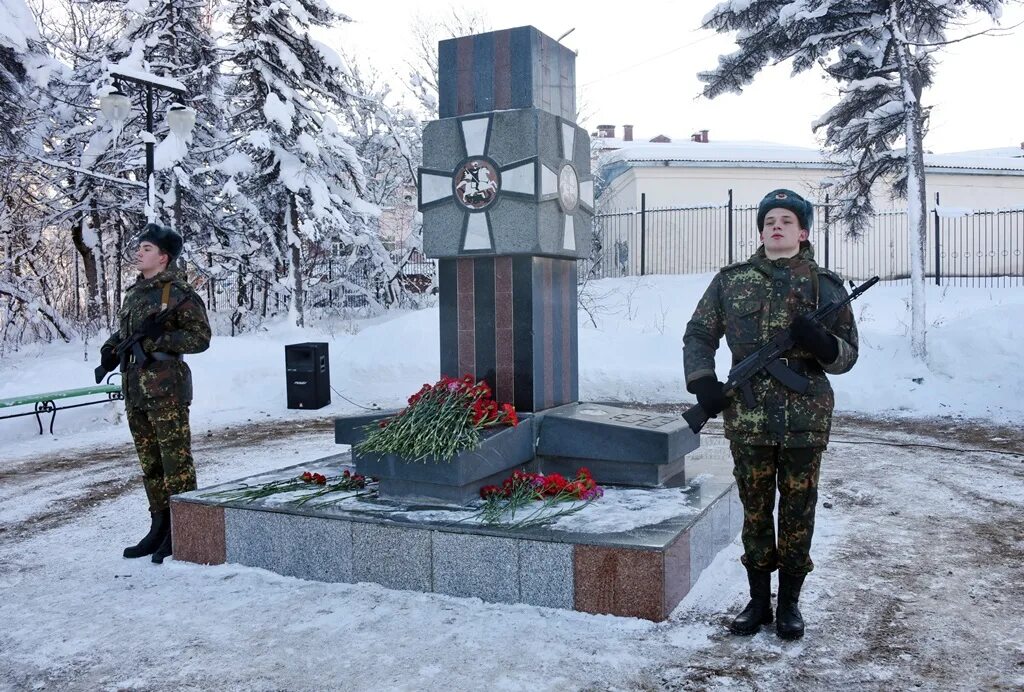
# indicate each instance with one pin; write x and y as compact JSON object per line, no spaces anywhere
{"x":767,"y":358}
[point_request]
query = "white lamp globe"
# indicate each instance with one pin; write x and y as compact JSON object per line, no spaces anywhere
{"x":115,"y":106}
{"x":181,"y":120}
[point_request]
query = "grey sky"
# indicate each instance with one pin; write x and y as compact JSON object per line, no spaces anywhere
{"x":637,"y":63}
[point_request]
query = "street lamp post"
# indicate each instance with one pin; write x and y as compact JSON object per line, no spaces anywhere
{"x":116,"y":106}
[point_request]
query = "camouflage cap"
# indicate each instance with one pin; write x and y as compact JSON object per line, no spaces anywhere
{"x":164,"y":238}
{"x":786,"y":199}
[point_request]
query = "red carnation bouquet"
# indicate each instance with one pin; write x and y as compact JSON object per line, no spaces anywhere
{"x":441,"y":420}
{"x":543,"y":495}
{"x":553,"y":485}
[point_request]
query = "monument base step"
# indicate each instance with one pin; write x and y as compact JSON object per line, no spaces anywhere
{"x":609,"y":558}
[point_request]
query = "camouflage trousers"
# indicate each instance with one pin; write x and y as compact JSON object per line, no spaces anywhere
{"x":163,"y":440}
{"x":794,"y":471}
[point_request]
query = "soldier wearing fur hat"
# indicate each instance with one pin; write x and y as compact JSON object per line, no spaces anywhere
{"x":158,"y":387}
{"x":779,"y":442}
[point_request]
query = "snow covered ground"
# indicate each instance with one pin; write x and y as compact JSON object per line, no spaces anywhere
{"x":919,"y":549}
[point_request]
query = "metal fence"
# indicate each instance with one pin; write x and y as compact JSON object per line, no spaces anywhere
{"x":418,"y":272}
{"x":965,"y":247}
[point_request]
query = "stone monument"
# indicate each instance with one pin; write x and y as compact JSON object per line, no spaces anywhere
{"x":507,"y":198}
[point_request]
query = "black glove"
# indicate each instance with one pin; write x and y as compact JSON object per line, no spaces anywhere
{"x":151,"y":329}
{"x":108,"y":358}
{"x":813,"y":337}
{"x":710,"y":395}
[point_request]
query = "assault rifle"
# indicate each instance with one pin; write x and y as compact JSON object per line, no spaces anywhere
{"x":132,"y":344}
{"x":769,"y":358}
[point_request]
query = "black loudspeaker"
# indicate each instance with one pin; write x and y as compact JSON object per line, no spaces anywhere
{"x":309,"y":374}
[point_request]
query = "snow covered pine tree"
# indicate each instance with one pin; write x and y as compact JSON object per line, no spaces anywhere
{"x":881,"y":54}
{"x":285,"y":91}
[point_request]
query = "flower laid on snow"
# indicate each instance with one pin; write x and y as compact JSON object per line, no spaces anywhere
{"x":441,"y":420}
{"x":522,"y":489}
{"x":346,"y":482}
{"x":317,"y":478}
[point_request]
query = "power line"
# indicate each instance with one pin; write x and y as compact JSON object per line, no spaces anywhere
{"x":647,"y":60}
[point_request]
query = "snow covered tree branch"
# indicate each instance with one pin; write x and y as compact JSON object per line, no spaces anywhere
{"x":881,"y":54}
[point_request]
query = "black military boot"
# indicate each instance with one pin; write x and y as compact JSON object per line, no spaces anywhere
{"x":759,"y":611}
{"x":165,"y":550}
{"x":158,"y":529}
{"x":790,"y":624}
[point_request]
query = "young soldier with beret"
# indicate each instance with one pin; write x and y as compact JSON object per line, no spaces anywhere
{"x":158,"y":390}
{"x":779,"y":442}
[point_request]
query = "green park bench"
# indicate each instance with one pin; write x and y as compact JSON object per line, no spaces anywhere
{"x":47,"y":402}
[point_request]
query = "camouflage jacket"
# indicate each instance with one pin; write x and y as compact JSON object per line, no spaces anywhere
{"x":187,"y":330}
{"x":748,"y":302}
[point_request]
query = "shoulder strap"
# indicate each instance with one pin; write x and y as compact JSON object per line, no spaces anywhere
{"x":817,"y":289}
{"x":833,"y":277}
{"x":165,"y":297}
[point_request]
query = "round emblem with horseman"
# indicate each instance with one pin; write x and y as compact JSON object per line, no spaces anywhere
{"x":476,"y":184}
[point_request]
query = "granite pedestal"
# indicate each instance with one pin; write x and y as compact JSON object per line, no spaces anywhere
{"x":641,"y":571}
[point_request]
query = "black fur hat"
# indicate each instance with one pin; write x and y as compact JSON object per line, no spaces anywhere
{"x":164,"y":238}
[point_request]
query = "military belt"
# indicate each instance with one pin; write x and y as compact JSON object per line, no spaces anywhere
{"x":155,"y":355}
{"x":801,"y":366}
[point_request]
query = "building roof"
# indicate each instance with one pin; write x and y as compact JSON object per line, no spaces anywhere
{"x":1003,"y":161}
{"x":1002,"y":152}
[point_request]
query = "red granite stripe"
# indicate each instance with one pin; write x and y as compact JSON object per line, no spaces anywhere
{"x":619,"y":581}
{"x":466,"y":100}
{"x":547,"y":298}
{"x":567,"y":268}
{"x":503,"y":274}
{"x":502,"y":71}
{"x":465,"y":275}
{"x":504,"y":352}
{"x":503,"y":292}
{"x":198,"y":533}
{"x":467,"y":352}
{"x":505,"y":377}
{"x":505,"y":388}
{"x":467,"y":317}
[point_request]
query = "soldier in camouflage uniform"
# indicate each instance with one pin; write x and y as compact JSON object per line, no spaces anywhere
{"x":778,"y":442}
{"x":158,"y":391}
